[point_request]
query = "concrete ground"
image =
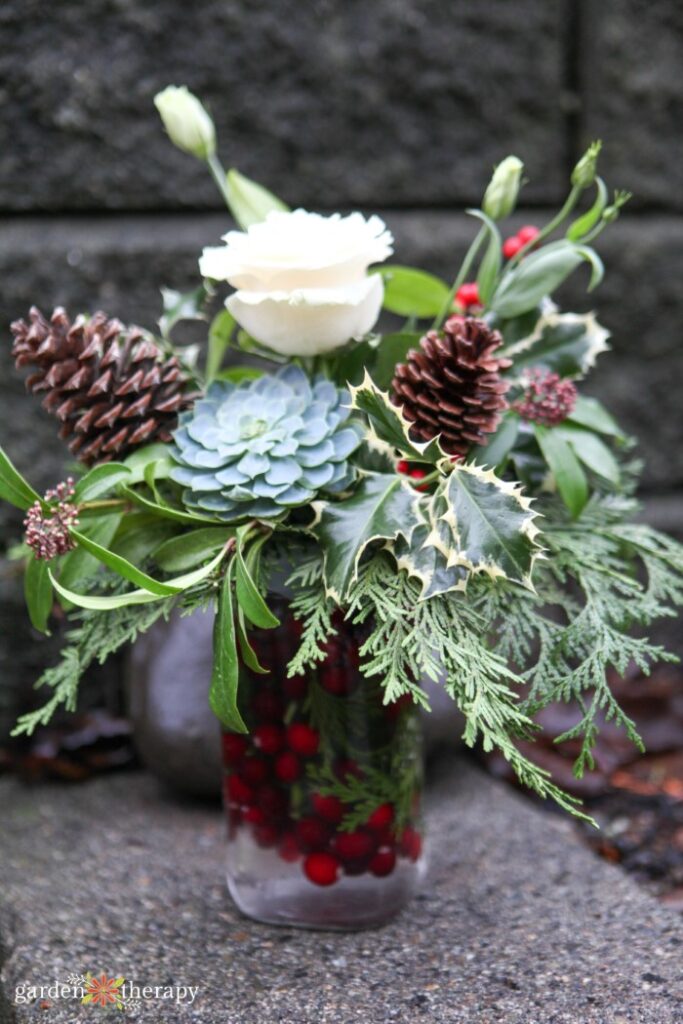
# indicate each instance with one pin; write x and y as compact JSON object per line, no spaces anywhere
{"x":517,"y":923}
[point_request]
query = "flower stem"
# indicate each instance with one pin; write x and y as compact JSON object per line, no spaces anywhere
{"x":460,"y":279}
{"x":570,"y":202}
{"x":219,"y":176}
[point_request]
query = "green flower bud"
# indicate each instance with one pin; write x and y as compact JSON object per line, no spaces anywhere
{"x":610,"y":213}
{"x":584,"y":173}
{"x":188,"y":125}
{"x":501,"y":193}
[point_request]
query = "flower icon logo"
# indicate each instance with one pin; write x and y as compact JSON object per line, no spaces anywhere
{"x":103,"y":991}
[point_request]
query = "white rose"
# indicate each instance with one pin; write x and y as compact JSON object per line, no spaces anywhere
{"x":188,"y":125}
{"x":301,"y":279}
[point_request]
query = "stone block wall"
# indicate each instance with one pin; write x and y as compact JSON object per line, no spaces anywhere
{"x":401,"y":106}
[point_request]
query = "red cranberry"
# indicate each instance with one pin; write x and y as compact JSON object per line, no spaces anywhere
{"x":346,"y":766}
{"x":511,"y":246}
{"x":254,"y":816}
{"x":269,"y":738}
{"x":254,"y":770}
{"x":353,"y":846}
{"x":303,"y":739}
{"x":333,"y":648}
{"x":321,"y":868}
{"x":268,"y":705}
{"x":411,"y":843}
{"x":288,"y":849}
{"x":397,"y":707}
{"x":271,"y":800}
{"x":330,"y":808}
{"x":467,"y":295}
{"x":234,"y":747}
{"x":528,"y":233}
{"x":266,"y":835}
{"x":296,"y":688}
{"x":381,"y":817}
{"x":336,"y":680}
{"x":296,"y":627}
{"x":238,"y":790}
{"x":312,"y":833}
{"x":383,"y":863}
{"x":288,"y":767}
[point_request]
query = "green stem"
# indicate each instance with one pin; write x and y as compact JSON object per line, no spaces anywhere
{"x":219,"y":176}
{"x":570,"y":202}
{"x":109,"y":503}
{"x":460,"y":279}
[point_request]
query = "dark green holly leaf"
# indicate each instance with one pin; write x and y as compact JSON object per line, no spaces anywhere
{"x":566,"y":343}
{"x":38,"y":593}
{"x":427,"y":564}
{"x":570,"y":478}
{"x":412,"y":293}
{"x":225,"y":675}
{"x":382,"y":507}
{"x":389,"y":426}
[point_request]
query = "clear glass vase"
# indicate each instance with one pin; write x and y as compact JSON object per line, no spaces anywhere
{"x":323,"y":796}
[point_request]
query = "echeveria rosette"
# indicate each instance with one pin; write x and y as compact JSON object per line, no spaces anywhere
{"x":259,"y":448}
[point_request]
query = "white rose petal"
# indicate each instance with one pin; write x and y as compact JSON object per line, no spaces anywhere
{"x":309,"y":321}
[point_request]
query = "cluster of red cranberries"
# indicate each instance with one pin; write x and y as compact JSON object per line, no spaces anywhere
{"x":268,"y":792}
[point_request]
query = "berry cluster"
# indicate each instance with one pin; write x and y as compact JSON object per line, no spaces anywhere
{"x":271,"y":786}
{"x":467,"y":297}
{"x":513,"y":244}
{"x":47,"y":533}
{"x":414,"y":472}
{"x":548,"y":398}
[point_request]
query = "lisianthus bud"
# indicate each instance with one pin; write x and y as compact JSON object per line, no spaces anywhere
{"x":188,"y":125}
{"x":501,"y":193}
{"x":583,"y":174}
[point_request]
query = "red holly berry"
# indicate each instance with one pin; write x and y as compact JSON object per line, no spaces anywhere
{"x":234,"y":747}
{"x":411,"y":843}
{"x":467,"y":295}
{"x":254,"y":770}
{"x":381,"y":817}
{"x":330,"y":808}
{"x":528,"y":233}
{"x":288,"y":767}
{"x":254,"y":816}
{"x":268,"y":705}
{"x":511,"y":246}
{"x":288,"y":849}
{"x":312,"y":833}
{"x":238,"y":790}
{"x":296,"y":688}
{"x":303,"y":739}
{"x":321,"y":868}
{"x":352,"y":846}
{"x":402,"y":466}
{"x":269,"y":738}
{"x":383,"y":863}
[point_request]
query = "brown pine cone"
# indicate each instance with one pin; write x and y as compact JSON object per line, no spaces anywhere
{"x":451,"y":386}
{"x":112,"y":387}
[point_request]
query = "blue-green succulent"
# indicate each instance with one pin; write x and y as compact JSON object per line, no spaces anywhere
{"x":261,"y":447}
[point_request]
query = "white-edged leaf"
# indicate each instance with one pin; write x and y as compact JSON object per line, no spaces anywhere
{"x":427,"y":564}
{"x":389,"y":426}
{"x":566,"y":343}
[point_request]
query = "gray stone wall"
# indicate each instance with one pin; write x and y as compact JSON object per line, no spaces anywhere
{"x":401,"y":106}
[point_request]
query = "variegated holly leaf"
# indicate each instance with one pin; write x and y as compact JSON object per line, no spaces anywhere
{"x":388,"y":427}
{"x":484,"y":524}
{"x":566,"y":343}
{"x":427,"y":564}
{"x":382,"y":507}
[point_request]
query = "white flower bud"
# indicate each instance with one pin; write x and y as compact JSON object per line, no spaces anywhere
{"x":188,"y":125}
{"x":501,"y":194}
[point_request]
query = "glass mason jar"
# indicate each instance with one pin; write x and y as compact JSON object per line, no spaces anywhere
{"x":322,"y":796}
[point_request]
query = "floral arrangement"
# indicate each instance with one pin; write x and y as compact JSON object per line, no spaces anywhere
{"x":444,"y":487}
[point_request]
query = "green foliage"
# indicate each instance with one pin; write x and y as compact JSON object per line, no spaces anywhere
{"x":563,"y":464}
{"x":13,"y":487}
{"x":225,"y":675}
{"x":248,"y":201}
{"x":38,"y":593}
{"x":412,"y":293}
{"x":566,"y":343}
{"x":523,"y":286}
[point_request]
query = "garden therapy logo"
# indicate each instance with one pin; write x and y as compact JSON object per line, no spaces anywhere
{"x":101,"y":990}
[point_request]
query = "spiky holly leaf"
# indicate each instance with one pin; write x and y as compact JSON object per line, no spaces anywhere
{"x":566,"y":343}
{"x":427,"y":564}
{"x":389,"y":428}
{"x":382,"y":507}
{"x":485,"y":524}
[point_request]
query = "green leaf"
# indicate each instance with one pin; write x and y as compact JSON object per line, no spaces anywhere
{"x":13,"y":487}
{"x":593,"y":452}
{"x":583,"y":224}
{"x":97,"y":603}
{"x":248,"y":596}
{"x":165,"y":511}
{"x":382,"y":507}
{"x":564,"y":465}
{"x":123,"y":567}
{"x":225,"y":676}
{"x":79,"y":565}
{"x":588,"y":412}
{"x":538,"y":275}
{"x":492,"y":260}
{"x":427,"y":564}
{"x":140,"y":534}
{"x":138,"y":460}
{"x":490,"y":524}
{"x":410,"y":292}
{"x":190,"y":549}
{"x":247,"y":651}
{"x":236,"y":374}
{"x":38,"y":593}
{"x":220,"y":333}
{"x":101,"y":480}
{"x":181,"y":306}
{"x":393,"y":349}
{"x":499,"y":447}
{"x":249,"y":202}
{"x":388,"y":425}
{"x":566,"y":343}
